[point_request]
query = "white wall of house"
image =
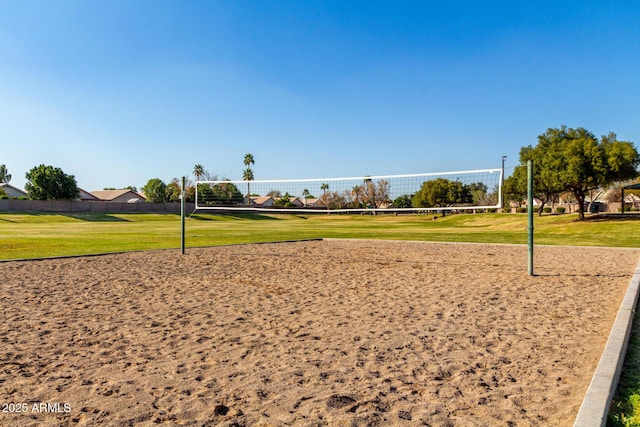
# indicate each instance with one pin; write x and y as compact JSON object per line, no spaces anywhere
{"x":12,"y":191}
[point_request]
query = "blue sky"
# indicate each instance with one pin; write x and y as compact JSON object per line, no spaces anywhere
{"x":118,"y":92}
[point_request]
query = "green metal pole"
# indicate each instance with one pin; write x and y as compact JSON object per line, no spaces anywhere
{"x":530,"y":212}
{"x":501,"y":195}
{"x":182,"y":214}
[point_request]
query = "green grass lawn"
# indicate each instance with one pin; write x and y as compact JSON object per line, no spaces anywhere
{"x":625,"y":409}
{"x":37,"y":235}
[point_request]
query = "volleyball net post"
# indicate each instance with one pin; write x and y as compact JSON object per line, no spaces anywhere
{"x":530,"y":216}
{"x":182,"y":214}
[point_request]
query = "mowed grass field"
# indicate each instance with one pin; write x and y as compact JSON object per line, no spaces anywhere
{"x":38,"y":235}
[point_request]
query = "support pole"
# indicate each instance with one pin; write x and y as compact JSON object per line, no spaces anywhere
{"x":182,"y":214}
{"x":530,"y":213}
{"x":501,"y":195}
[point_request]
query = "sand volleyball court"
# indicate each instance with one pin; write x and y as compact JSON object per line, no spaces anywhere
{"x":326,"y":333}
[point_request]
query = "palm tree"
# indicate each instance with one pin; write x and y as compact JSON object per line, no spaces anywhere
{"x":305,"y":193}
{"x":198,"y":171}
{"x":247,"y":175}
{"x":324,"y":187}
{"x":248,"y":160}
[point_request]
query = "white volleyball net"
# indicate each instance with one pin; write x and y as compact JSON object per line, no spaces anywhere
{"x":424,"y":192}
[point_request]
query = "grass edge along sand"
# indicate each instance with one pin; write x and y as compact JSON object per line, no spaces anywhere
{"x":625,"y":407}
{"x":37,"y":235}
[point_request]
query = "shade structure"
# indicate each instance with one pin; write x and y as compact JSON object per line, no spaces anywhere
{"x":629,"y":187}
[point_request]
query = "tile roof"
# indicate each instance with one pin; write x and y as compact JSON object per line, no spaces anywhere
{"x":114,"y":194}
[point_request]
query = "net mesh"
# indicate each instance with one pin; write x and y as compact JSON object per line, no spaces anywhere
{"x":478,"y":189}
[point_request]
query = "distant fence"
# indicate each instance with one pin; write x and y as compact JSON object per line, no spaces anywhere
{"x":18,"y":205}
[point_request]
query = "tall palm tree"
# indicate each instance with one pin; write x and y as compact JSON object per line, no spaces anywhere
{"x":198,"y":171}
{"x":247,"y":175}
{"x":248,"y":160}
{"x":305,"y":193}
{"x":324,"y":187}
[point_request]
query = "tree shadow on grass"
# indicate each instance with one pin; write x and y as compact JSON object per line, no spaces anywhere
{"x":83,"y":216}
{"x":617,"y":217}
{"x":233,"y":215}
{"x":95,"y":217}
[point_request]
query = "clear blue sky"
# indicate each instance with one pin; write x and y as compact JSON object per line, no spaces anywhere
{"x":118,"y":92}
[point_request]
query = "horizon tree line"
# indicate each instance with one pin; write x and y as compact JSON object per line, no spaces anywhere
{"x":566,"y":161}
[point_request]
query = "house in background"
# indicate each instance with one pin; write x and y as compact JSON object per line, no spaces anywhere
{"x":261,"y":201}
{"x":122,"y":196}
{"x":296,"y":202}
{"x":312,"y":202}
{"x":85,"y":195}
{"x":12,"y":191}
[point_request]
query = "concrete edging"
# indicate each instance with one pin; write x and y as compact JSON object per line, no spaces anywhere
{"x":597,"y":401}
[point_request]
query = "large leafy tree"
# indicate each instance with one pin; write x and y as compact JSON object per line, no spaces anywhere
{"x":441,"y":192}
{"x":51,"y":183}
{"x":226,"y":193}
{"x":205,"y":194}
{"x":548,"y":165}
{"x":585,"y":167}
{"x":222,"y":193}
{"x":403,"y":201}
{"x":515,"y":186}
{"x":481,"y":195}
{"x":155,"y":190}
{"x":622,"y":158}
{"x":173,"y":190}
{"x":574,"y":160}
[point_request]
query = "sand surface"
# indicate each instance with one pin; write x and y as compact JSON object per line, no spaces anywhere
{"x":335,"y":333}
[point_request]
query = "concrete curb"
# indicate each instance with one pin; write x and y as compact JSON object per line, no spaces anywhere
{"x":597,"y":401}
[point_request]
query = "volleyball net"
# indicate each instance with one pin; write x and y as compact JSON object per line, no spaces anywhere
{"x":423,"y":192}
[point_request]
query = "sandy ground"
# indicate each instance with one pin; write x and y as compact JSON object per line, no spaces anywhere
{"x":334,"y":333}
